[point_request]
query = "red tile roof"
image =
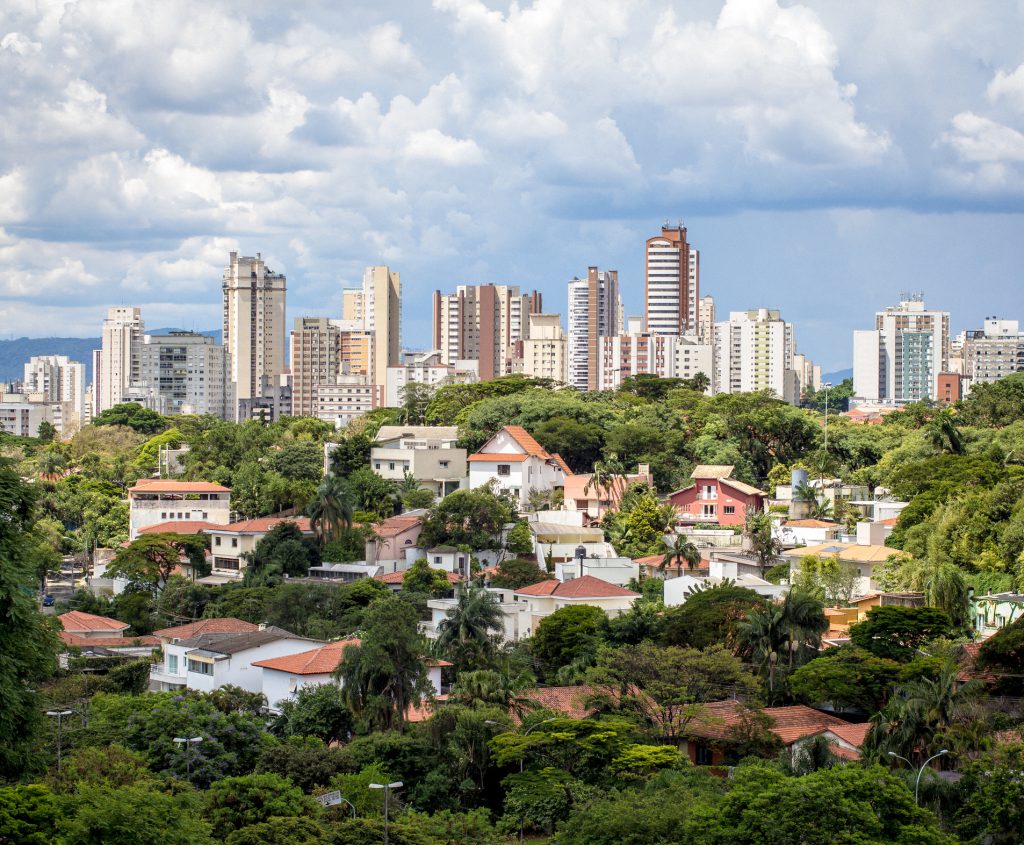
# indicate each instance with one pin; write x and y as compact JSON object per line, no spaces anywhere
{"x":108,"y":642}
{"x":395,"y":525}
{"x":564,"y":466}
{"x":180,"y":526}
{"x":263,"y":525}
{"x":526,"y":441}
{"x":890,"y":521}
{"x":578,"y":588}
{"x":225,"y":625}
{"x":74,"y":621}
{"x":425,"y":709}
{"x":788,"y":723}
{"x":317,"y":661}
{"x":528,"y":444}
{"x":569,"y":701}
{"x":163,"y":485}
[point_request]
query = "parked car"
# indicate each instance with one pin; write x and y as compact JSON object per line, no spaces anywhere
{"x":48,"y":601}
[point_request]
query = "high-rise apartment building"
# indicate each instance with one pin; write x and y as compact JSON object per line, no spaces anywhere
{"x":119,"y":366}
{"x":994,"y":352}
{"x":666,"y":356}
{"x":254,"y":329}
{"x":595,"y":311}
{"x":425,"y":368}
{"x":900,"y":359}
{"x":706,"y":319}
{"x":183,"y":373}
{"x":672,"y":288}
{"x":482,"y":323}
{"x":544,"y":353}
{"x":315,"y":360}
{"x":381,"y":305}
{"x":56,"y":378}
{"x":755,"y":350}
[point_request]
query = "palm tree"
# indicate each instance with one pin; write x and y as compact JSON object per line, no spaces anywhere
{"x":470,"y":631}
{"x":821,"y":510}
{"x":794,"y":626}
{"x":677,"y":551}
{"x":803,"y":492}
{"x":609,"y":477}
{"x":765,"y":546}
{"x":805,"y":623}
{"x":332,"y":507}
{"x":943,"y":585}
{"x":762,"y":633}
{"x":488,"y":688}
{"x":943,"y":434}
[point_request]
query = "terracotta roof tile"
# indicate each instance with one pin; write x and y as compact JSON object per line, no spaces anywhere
{"x":498,"y":457}
{"x":425,"y":709}
{"x":712,"y":471}
{"x":788,"y":723}
{"x":163,"y":485}
{"x":108,"y":642}
{"x":399,"y":577}
{"x":181,"y":526}
{"x":317,"y":661}
{"x":558,"y":460}
{"x":225,"y":625}
{"x":395,"y":525}
{"x":810,"y":523}
{"x":578,"y":588}
{"x":526,"y":441}
{"x":74,"y":621}
{"x":570,"y":701}
{"x":264,"y":524}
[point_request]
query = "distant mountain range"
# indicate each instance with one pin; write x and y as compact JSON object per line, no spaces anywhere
{"x":14,"y":354}
{"x":838,"y":376}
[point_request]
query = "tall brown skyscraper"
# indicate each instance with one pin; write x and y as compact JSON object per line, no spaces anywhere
{"x":672,"y":290}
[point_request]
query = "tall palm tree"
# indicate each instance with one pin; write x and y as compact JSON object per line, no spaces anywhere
{"x":943,"y":434}
{"x":792,"y":628}
{"x":763,"y":542}
{"x":803,"y":492}
{"x":804,"y":622}
{"x":678,"y":550}
{"x":332,"y":507}
{"x":762,"y":633}
{"x":470,"y":631}
{"x":486,"y":687}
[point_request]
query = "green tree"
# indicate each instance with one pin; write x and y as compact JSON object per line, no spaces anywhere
{"x":471,"y":631}
{"x":350,"y":454}
{"x":282,"y":830}
{"x":763,"y":544}
{"x":373,"y":494}
{"x":520,"y":539}
{"x":579,"y":444}
{"x":515,"y":573}
{"x":788,"y":633}
{"x":304,"y":760}
{"x":680,"y":549}
{"x":316,"y":711}
{"x":415,"y":398}
{"x":129,"y":815}
{"x":473,"y":518}
{"x":28,"y":815}
{"x":898,"y":633}
{"x":846,"y":676}
{"x":711,"y":616}
{"x":235,"y":802}
{"x":332,"y":508}
{"x":28,"y":644}
{"x":992,"y":807}
{"x":133,"y":416}
{"x":423,"y":579}
{"x":298,"y":461}
{"x":149,"y":560}
{"x":418,"y":499}
{"x":385,"y":674}
{"x":569,"y":634}
{"x":1003,"y":655}
{"x":46,"y":432}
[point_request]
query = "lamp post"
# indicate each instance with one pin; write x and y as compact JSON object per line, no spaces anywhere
{"x":387,"y":787}
{"x":187,"y":742}
{"x":522,"y":818}
{"x":59,"y":716}
{"x":924,"y":765}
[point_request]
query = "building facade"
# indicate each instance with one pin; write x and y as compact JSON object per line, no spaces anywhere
{"x":900,"y":359}
{"x":543,"y":354}
{"x":183,"y":373}
{"x":595,"y":311}
{"x":253,"y":323}
{"x":349,"y":397}
{"x":119,"y":367}
{"x":666,"y":356}
{"x":381,"y":307}
{"x":994,"y":352}
{"x":482,"y":323}
{"x":672,"y":288}
{"x":58,"y":379}
{"x":315,"y":345}
{"x":426,"y":368}
{"x":755,"y":350}
{"x":428,"y":454}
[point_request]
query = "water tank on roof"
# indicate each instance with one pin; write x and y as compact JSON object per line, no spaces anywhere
{"x":798,"y":477}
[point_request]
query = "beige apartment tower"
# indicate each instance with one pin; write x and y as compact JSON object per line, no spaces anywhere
{"x":672,"y":289}
{"x":254,"y":329}
{"x":595,"y":311}
{"x":315,"y":360}
{"x":119,"y":364}
{"x":382,"y":316}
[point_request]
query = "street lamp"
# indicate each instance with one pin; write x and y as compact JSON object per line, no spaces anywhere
{"x":924,"y":765}
{"x":188,"y":742}
{"x":59,"y":716}
{"x":387,"y":787}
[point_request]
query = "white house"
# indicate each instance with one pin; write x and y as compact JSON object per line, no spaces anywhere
{"x":720,"y":569}
{"x":517,"y":463}
{"x":806,"y":532}
{"x":228,"y":544}
{"x":209,"y":661}
{"x":427,"y":453}
{"x":992,"y":613}
{"x":283,"y":676}
{"x":515,"y":615}
{"x":448,"y":559}
{"x":545,"y":598}
{"x":155,"y":500}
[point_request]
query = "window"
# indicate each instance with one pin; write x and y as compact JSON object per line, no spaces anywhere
{"x":200,"y":668}
{"x":163,"y":515}
{"x":437,"y":560}
{"x":391,"y":465}
{"x":172,"y":664}
{"x":703,"y":755}
{"x":443,"y":464}
{"x":234,"y":542}
{"x":504,"y":470}
{"x":729,"y":509}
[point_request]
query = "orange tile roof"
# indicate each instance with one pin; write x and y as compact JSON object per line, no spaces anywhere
{"x":558,"y":460}
{"x":263,"y":525}
{"x":526,"y":441}
{"x":108,"y":642}
{"x":586,"y":586}
{"x":162,"y":485}
{"x":425,"y":709}
{"x":74,"y":621}
{"x":788,"y":723}
{"x":317,"y":661}
{"x":395,"y":525}
{"x":570,"y":701}
{"x":180,"y":526}
{"x":810,"y":523}
{"x":890,"y":521}
{"x":225,"y":625}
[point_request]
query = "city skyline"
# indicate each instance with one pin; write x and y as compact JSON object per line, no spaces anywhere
{"x":821,"y":161}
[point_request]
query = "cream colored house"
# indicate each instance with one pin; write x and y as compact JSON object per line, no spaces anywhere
{"x":427,"y":453}
{"x":229,"y":545}
{"x":155,"y":500}
{"x":866,"y":560}
{"x":545,"y":598}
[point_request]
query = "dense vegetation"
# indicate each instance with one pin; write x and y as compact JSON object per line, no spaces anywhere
{"x":490,"y":761}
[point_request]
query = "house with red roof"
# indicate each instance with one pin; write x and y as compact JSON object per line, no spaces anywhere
{"x":229,"y":543}
{"x":87,"y":632}
{"x":153,"y":501}
{"x":393,"y":545}
{"x":545,"y":598}
{"x":517,"y":463}
{"x":285,"y":676}
{"x":708,"y":735}
{"x":716,"y":497}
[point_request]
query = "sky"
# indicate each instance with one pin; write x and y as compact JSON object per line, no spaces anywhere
{"x":824,"y":156}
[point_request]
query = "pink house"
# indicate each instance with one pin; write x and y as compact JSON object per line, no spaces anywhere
{"x":715,"y":497}
{"x":391,"y":539}
{"x":581,"y":495}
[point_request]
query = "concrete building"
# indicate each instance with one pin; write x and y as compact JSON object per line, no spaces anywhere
{"x":513,"y":614}
{"x":544,"y":353}
{"x":315,"y":345}
{"x":21,"y":416}
{"x":427,"y":453}
{"x":382,"y":309}
{"x":153,"y":501}
{"x":900,"y":359}
{"x":992,"y":353}
{"x":595,"y":311}
{"x":349,"y":397}
{"x":517,"y":463}
{"x":273,"y":401}
{"x":426,"y":368}
{"x":61,"y":380}
{"x":714,"y":496}
{"x":545,"y":598}
{"x":667,"y":356}
{"x":755,"y":350}
{"x":482,"y":323}
{"x":231,"y":544}
{"x":253,"y":323}
{"x":122,"y":331}
{"x":706,"y":320}
{"x":808,"y":374}
{"x":183,"y":373}
{"x":672,"y":288}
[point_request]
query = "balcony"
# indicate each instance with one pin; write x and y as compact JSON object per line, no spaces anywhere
{"x":158,"y":674}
